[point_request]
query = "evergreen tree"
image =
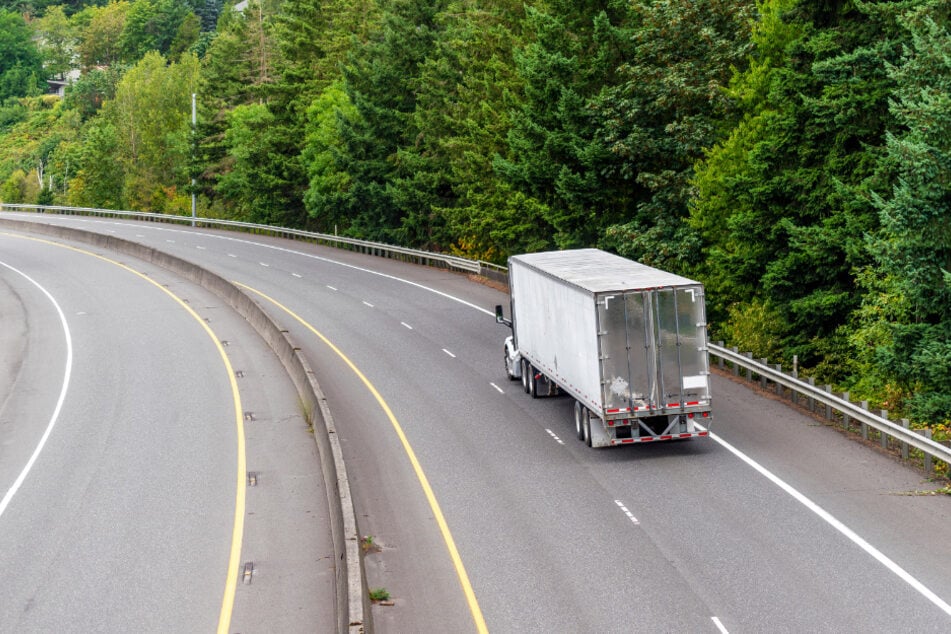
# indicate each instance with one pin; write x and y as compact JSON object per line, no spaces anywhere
{"x":667,"y":108}
{"x":906,"y":324}
{"x":467,"y":90}
{"x":783,"y":202}
{"x":381,"y":83}
{"x":557,"y":157}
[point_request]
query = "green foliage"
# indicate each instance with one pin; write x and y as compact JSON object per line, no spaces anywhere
{"x":151,"y":25}
{"x":21,"y":67}
{"x":905,"y":327}
{"x":794,"y":156}
{"x":88,"y":93}
{"x":467,"y":89}
{"x":669,"y":104}
{"x":327,"y":185}
{"x":100,"y":40}
{"x":151,"y":114}
{"x":57,"y":41}
{"x":381,"y":81}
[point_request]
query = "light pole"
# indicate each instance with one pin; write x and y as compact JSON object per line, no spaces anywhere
{"x":194,"y":123}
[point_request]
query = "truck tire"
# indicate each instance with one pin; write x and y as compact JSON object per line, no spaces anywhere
{"x":526,"y":371}
{"x":581,"y":412}
{"x":532,"y":382}
{"x":587,"y":430}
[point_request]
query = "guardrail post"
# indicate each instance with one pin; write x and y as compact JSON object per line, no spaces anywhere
{"x":812,"y":400}
{"x":928,"y":463}
{"x":736,"y":366}
{"x":793,"y":393}
{"x":720,"y":360}
{"x":779,"y":386}
{"x":749,"y":370}
{"x":762,"y":378}
{"x":864,"y":425}
{"x":884,"y":436}
{"x":845,"y":416}
{"x":828,"y":390}
{"x":904,"y":446}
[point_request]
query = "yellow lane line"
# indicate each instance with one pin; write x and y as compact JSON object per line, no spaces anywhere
{"x":423,"y":480}
{"x":237,"y":535}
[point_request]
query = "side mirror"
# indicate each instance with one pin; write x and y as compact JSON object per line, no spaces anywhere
{"x":500,"y":317}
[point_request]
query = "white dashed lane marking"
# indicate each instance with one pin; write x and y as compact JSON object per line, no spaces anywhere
{"x":630,"y":515}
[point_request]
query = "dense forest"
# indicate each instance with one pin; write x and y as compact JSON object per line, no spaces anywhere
{"x":794,"y":155}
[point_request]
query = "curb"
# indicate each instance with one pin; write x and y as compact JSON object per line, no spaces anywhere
{"x":352,"y":599}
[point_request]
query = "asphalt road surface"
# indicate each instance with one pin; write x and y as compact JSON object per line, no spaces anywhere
{"x":779,"y":524}
{"x":119,"y":457}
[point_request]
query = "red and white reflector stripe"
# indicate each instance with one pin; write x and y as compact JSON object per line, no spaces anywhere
{"x":627,"y":441}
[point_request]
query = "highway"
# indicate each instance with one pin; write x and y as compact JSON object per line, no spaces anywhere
{"x":778,"y":524}
{"x":119,"y":456}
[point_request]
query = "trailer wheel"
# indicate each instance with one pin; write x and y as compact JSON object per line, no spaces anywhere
{"x":587,"y":429}
{"x":581,"y":413}
{"x":532,"y":382}
{"x":526,"y":371}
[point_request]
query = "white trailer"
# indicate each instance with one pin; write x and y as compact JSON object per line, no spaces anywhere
{"x":627,"y":341}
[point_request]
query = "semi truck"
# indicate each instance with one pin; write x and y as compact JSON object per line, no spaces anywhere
{"x":626,"y":341}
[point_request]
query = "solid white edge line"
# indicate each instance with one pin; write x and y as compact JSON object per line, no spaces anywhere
{"x":328,"y":260}
{"x":719,"y":625}
{"x":837,"y":525}
{"x":59,"y":403}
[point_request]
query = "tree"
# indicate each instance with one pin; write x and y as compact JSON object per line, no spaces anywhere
{"x":905,"y":323}
{"x":152,"y":117}
{"x":151,"y":25}
{"x":556,"y":155}
{"x":21,"y":67}
{"x":100,"y":41}
{"x":465,"y":93}
{"x":97,"y":182}
{"x":668,"y":106}
{"x":782,"y":203}
{"x":327,"y":185}
{"x":260,"y":195}
{"x":381,"y":83}
{"x":88,"y":93}
{"x":57,"y":41}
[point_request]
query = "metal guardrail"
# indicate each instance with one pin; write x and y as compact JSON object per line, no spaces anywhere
{"x":452,"y":262}
{"x":849,"y":411}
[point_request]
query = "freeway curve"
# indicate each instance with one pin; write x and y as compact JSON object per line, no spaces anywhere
{"x":778,"y":524}
{"x":123,"y":455}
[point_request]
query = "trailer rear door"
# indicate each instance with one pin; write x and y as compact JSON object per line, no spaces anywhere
{"x":653,"y":349}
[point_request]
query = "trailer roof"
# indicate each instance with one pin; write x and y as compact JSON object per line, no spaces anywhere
{"x":599,"y":271}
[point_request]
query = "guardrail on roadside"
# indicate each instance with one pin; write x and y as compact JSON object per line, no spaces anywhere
{"x":445,"y":260}
{"x":836,"y":407}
